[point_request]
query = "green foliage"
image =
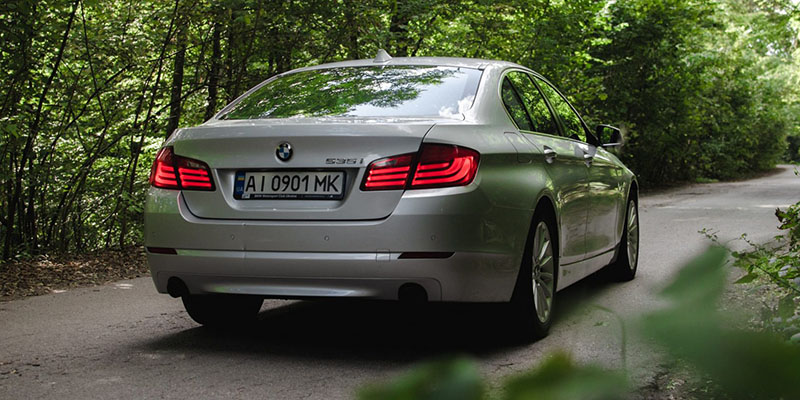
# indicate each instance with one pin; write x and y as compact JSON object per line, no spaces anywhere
{"x":699,"y":97}
{"x":559,"y":378}
{"x":779,"y":264}
{"x":790,"y":221}
{"x":442,"y":380}
{"x":702,"y":90}
{"x":743,"y":363}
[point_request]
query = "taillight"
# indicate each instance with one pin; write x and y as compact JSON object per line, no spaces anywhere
{"x":438,"y":165}
{"x":388,"y":173}
{"x":171,"y":171}
{"x":162,"y":175}
{"x":444,"y":165}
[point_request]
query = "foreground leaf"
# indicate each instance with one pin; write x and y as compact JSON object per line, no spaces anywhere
{"x":442,"y":380}
{"x":560,"y":378}
{"x":743,"y":363}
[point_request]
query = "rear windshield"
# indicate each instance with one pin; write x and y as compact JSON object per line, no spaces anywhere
{"x":387,"y":91}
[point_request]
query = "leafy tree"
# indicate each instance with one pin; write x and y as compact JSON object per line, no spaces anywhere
{"x":89,"y":89}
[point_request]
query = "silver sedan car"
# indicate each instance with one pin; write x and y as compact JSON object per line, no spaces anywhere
{"x":410,"y":179}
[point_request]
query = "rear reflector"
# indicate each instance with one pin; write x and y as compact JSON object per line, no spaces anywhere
{"x":191,"y":174}
{"x":426,"y":254}
{"x":438,"y":165}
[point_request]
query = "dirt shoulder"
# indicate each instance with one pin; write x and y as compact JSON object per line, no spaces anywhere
{"x":49,"y":274}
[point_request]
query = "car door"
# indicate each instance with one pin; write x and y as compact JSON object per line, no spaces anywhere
{"x":607,"y":199}
{"x":603,"y":183}
{"x":562,"y":159}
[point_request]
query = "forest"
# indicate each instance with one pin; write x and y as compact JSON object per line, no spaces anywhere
{"x":703,"y":90}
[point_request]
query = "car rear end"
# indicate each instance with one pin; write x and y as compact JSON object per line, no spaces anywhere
{"x":326,"y":193}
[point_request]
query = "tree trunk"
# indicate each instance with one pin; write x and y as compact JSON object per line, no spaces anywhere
{"x":177,"y":83}
{"x":398,"y":33}
{"x":352,"y":30}
{"x":213,"y":78}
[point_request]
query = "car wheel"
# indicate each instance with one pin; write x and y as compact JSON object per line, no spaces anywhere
{"x":533,"y":300}
{"x":222,"y":310}
{"x":628,"y":251}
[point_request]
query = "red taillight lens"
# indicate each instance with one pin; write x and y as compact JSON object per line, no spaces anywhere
{"x":445,"y":165}
{"x":171,"y":171}
{"x":162,"y":175}
{"x":439,"y":165}
{"x":388,"y":173}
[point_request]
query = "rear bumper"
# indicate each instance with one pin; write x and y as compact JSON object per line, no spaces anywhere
{"x":343,"y":258}
{"x":462,"y":277}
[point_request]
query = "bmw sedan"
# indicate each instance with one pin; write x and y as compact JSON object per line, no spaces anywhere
{"x":410,"y":179}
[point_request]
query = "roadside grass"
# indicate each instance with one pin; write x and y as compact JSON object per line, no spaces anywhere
{"x":706,"y":180}
{"x":48,"y":274}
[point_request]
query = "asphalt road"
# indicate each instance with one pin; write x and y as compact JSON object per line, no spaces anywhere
{"x":123,"y":340}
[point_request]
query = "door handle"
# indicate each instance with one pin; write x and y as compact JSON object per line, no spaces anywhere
{"x":549,"y":155}
{"x":588,"y":158}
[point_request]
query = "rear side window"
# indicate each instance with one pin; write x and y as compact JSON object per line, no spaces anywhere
{"x":541,"y":117}
{"x":513,"y":104}
{"x":572,"y":123}
{"x":373,"y":91}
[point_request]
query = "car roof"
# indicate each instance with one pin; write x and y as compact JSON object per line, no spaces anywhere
{"x":475,"y":63}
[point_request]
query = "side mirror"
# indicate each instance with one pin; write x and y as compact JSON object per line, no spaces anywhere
{"x":609,"y":136}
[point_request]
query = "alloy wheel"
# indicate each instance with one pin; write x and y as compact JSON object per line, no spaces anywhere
{"x":633,"y":235}
{"x":542,"y":272}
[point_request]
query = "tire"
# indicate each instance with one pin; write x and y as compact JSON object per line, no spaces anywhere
{"x":627,"y":260}
{"x":533,"y":301}
{"x":222,"y":310}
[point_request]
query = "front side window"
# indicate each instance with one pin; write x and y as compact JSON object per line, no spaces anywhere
{"x":541,"y":118}
{"x":572,"y":123}
{"x":372,"y":91}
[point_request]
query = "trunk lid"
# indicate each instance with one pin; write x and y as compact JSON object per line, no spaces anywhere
{"x":318,"y":144}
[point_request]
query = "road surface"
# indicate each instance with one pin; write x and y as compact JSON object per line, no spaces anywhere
{"x":123,"y":340}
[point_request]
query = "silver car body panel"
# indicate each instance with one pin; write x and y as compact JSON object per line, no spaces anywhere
{"x":351,"y":247}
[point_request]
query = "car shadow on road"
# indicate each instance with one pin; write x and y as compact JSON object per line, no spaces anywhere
{"x":373,"y":330}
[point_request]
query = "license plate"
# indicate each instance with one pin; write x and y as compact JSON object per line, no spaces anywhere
{"x":289,"y":185}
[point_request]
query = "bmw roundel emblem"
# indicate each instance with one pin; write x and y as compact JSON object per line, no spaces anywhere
{"x":284,"y":151}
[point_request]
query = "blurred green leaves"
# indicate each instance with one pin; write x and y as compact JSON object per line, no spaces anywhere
{"x":689,"y":327}
{"x":442,"y":380}
{"x":560,"y":378}
{"x":557,"y":378}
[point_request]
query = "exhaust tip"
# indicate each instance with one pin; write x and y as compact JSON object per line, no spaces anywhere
{"x":176,"y":288}
{"x":412,"y":293}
